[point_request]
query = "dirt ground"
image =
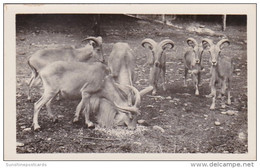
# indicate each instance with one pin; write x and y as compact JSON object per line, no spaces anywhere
{"x":180,"y":123}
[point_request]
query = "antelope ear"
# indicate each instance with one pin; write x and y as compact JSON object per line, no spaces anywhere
{"x":147,"y":45}
{"x":92,"y":43}
{"x":205,"y":45}
{"x":167,"y":46}
{"x":192,"y":42}
{"x":97,"y":41}
{"x":224,"y":44}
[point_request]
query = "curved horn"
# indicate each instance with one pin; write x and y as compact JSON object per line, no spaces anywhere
{"x":207,"y":42}
{"x":192,"y":42}
{"x":136,"y":92}
{"x":97,"y":40}
{"x":146,"y":90}
{"x":127,"y":109}
{"x":150,"y":42}
{"x":123,"y":88}
{"x":166,"y":42}
{"x":219,"y":44}
{"x":134,"y":108}
{"x":137,"y":95}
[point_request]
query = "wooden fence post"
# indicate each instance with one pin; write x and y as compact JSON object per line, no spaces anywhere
{"x":163,"y":18}
{"x":224,"y":19}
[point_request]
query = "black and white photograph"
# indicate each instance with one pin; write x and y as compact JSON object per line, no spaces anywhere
{"x":131,"y":83}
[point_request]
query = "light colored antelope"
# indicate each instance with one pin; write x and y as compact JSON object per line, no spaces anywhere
{"x":121,"y":63}
{"x":157,"y":61}
{"x":192,"y":63}
{"x":111,"y":105}
{"x":91,"y":52}
{"x":221,"y":69}
{"x":91,"y":83}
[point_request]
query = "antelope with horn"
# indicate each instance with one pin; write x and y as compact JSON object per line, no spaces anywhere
{"x":157,"y":61}
{"x":121,"y":63}
{"x":192,"y":63}
{"x":221,"y":69}
{"x":97,"y":90}
{"x":91,"y":52}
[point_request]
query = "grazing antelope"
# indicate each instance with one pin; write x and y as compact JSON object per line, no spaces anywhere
{"x":91,"y":82}
{"x":121,"y":62}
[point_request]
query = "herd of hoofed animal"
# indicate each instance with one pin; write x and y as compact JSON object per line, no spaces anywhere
{"x":106,"y":89}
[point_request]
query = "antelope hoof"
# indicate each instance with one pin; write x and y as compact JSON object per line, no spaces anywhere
{"x":75,"y":120}
{"x":209,"y":96}
{"x":58,"y":98}
{"x":229,"y":102}
{"x":90,"y":125}
{"x":197,"y":93}
{"x":29,"y":99}
{"x":154,"y":92}
{"x":36,"y":127}
{"x":131,"y":128}
{"x":54,"y":119}
{"x":223,"y":106}
{"x":164,"y":88}
{"x":212,"y":107}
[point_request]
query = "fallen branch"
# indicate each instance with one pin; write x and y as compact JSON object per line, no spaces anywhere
{"x":158,"y":97}
{"x":103,"y":139}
